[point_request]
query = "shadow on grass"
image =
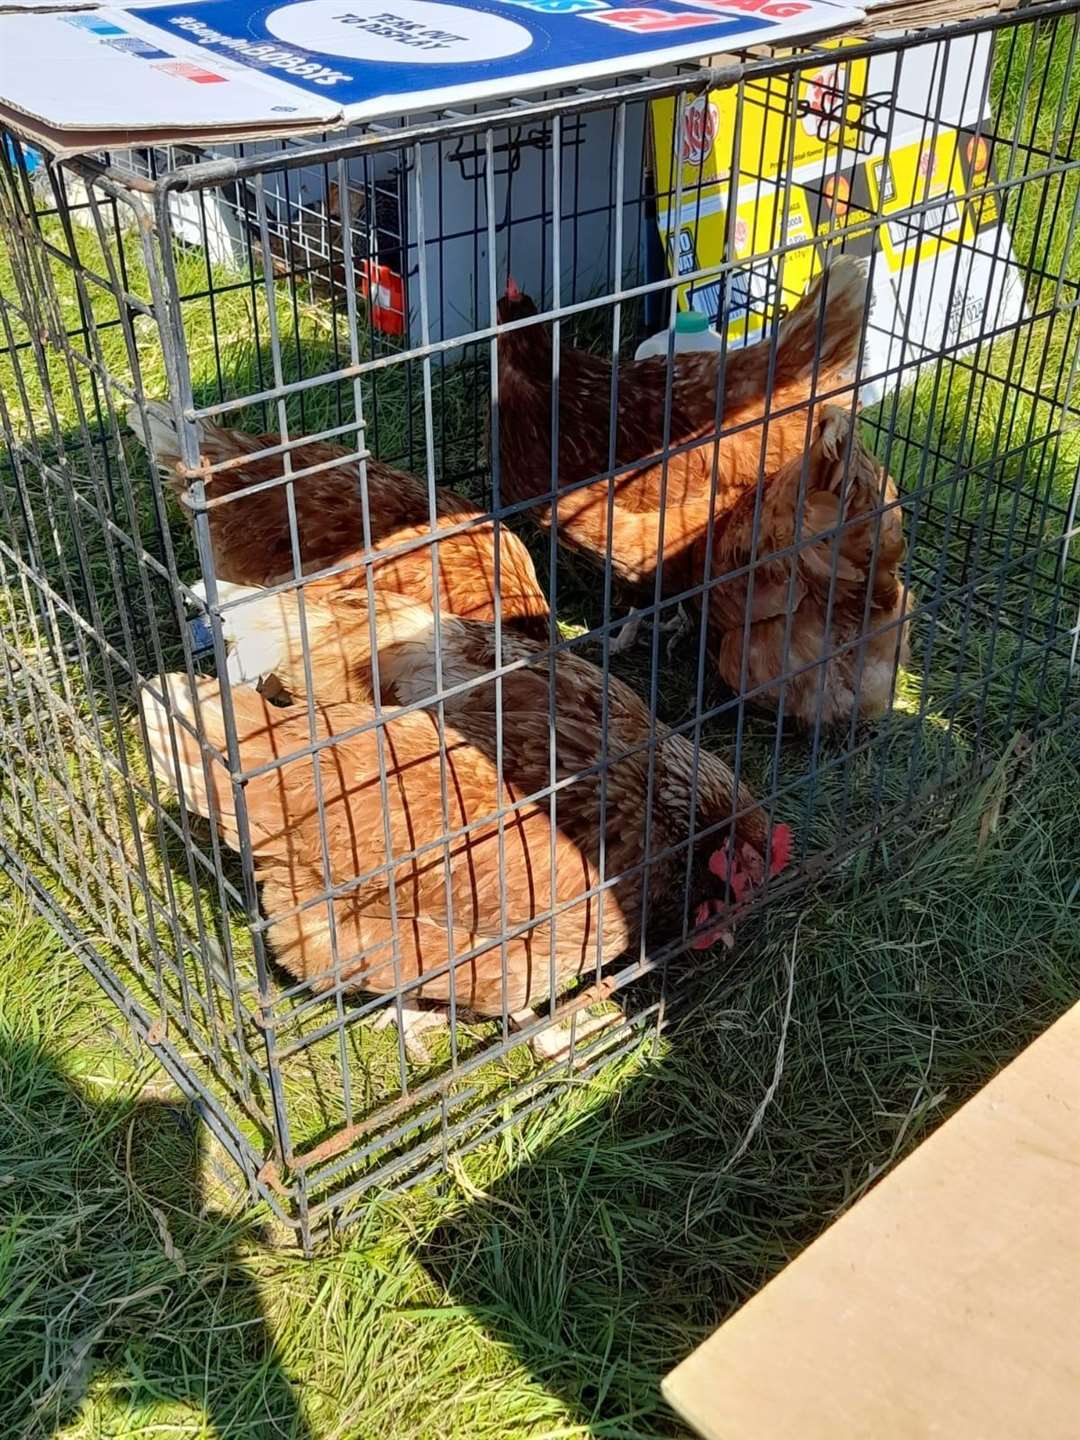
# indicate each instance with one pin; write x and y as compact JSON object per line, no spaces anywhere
{"x":91,"y":1193}
{"x":611,"y":1252}
{"x":640,"y":1222}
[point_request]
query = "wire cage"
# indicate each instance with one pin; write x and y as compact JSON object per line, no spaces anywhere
{"x":320,"y":711}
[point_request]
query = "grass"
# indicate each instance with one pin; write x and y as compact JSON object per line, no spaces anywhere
{"x":544,"y":1287}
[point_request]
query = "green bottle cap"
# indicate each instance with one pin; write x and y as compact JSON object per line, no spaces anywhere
{"x":690,"y":322}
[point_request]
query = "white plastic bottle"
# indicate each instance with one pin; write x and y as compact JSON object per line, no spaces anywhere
{"x":692,"y":332}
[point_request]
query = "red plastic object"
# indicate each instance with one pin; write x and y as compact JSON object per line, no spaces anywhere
{"x":384,"y":290}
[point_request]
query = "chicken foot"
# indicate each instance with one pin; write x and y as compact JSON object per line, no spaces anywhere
{"x":412,"y":1021}
{"x":554,"y":1043}
{"x":675,"y":627}
{"x":551,"y":1044}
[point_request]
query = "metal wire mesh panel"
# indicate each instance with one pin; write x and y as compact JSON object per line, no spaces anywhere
{"x":329,"y":478}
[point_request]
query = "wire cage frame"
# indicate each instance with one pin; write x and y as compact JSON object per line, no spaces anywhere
{"x":342,"y":310}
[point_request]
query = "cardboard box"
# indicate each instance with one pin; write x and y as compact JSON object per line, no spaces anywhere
{"x":211,"y":73}
{"x":871,"y":140}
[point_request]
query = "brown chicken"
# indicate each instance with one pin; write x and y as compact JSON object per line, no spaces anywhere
{"x":830,"y":613}
{"x":818,"y":342}
{"x":251,"y":537}
{"x":646,"y":490}
{"x":267,"y":638}
{"x":487,"y":899}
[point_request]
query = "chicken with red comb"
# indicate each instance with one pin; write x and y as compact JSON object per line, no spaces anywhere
{"x":610,"y":752}
{"x":741,"y":867}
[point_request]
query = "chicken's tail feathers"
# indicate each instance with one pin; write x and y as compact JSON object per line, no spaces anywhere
{"x":262,"y":628}
{"x":324,"y":638}
{"x":853,"y":504}
{"x":184,"y":727}
{"x":822,"y":336}
{"x":155,"y":426}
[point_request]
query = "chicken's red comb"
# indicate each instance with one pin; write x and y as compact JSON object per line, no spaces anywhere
{"x":781,"y":845}
{"x":513,"y":291}
{"x":738,"y":872}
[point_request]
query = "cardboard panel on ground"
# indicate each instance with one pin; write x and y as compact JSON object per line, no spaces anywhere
{"x":943,"y":1303}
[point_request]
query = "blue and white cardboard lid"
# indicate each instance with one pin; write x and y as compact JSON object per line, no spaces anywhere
{"x":217,"y":67}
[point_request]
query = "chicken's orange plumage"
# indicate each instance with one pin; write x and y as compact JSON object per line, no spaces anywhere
{"x":764,"y":424}
{"x":661,"y":509}
{"x":491,"y":896}
{"x":252,"y":540}
{"x":820,"y":597}
{"x":334,"y":647}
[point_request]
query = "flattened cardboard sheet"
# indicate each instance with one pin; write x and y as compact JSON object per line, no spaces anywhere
{"x":943,"y":1304}
{"x":230,"y":67}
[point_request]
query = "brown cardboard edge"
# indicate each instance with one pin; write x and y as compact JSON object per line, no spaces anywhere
{"x":63,"y":144}
{"x":688,"y":1374}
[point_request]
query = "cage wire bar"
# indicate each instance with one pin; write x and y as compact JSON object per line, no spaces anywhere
{"x":354,"y":292}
